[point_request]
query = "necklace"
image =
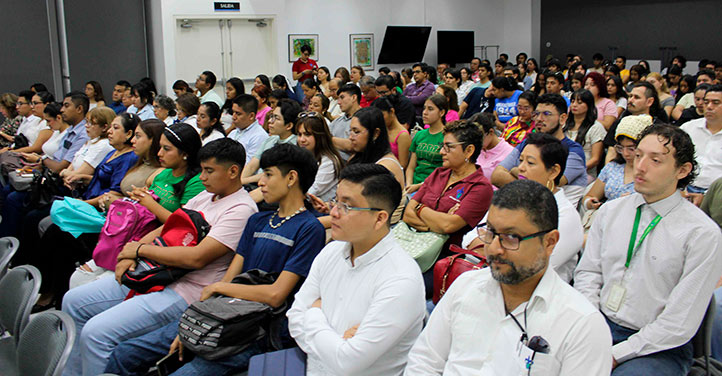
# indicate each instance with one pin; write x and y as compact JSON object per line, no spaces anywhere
{"x":270,"y":220}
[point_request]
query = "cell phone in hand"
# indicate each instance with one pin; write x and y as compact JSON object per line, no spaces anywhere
{"x":170,"y":363}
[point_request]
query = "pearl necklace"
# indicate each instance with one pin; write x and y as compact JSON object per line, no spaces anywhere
{"x":270,"y":220}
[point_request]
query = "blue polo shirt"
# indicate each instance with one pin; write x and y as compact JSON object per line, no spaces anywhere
{"x":73,"y":139}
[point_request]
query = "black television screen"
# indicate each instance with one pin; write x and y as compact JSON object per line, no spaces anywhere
{"x":455,"y":46}
{"x":404,"y":44}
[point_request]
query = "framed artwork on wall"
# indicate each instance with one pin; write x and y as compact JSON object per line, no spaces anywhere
{"x":296,"y":41}
{"x":362,"y":50}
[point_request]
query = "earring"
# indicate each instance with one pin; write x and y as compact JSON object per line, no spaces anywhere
{"x":185,"y":158}
{"x":550,"y":182}
{"x":466,"y":160}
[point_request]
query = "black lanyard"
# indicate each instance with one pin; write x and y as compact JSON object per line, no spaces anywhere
{"x":524,"y":336}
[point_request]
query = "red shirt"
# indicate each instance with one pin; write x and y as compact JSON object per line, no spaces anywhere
{"x":365,"y":102}
{"x":299,"y":66}
{"x":473,"y":193}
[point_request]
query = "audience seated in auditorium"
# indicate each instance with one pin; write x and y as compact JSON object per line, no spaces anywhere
{"x":696,"y":111}
{"x":652,"y":323}
{"x":208,"y":122}
{"x":453,"y":113}
{"x":95,"y":94}
{"x":12,"y":119}
{"x":455,"y":196}
{"x":319,"y":104}
{"x":119,"y":90}
{"x":404,"y":109}
{"x":234,"y":87}
{"x":550,"y":115}
{"x":261,"y":93}
{"x":494,"y":149}
{"x":420,"y":89}
{"x":367,"y":84}
{"x":33,"y":126}
{"x":399,"y":138}
{"x":687,"y":100}
{"x":314,"y":136}
{"x":349,"y":100}
{"x":426,"y":144}
{"x":282,"y":130}
{"x":205,"y":83}
{"x":102,"y":314}
{"x":584,"y":128}
{"x":142,"y":96}
{"x":666,"y":101}
{"x":706,"y":136}
{"x":246,"y":128}
{"x":526,"y":309}
{"x":519,"y":127}
{"x":606,"y":108}
{"x":284,"y":241}
{"x":642,"y":100}
{"x":617,"y":177}
{"x":310,"y":88}
{"x":373,"y":332}
{"x":187,"y":106}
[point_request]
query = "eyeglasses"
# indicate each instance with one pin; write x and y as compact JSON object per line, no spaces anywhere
{"x":508,"y":241}
{"x":382,"y":93}
{"x":523,"y":108}
{"x":308,"y":114}
{"x":416,"y":71}
{"x":448,"y":145}
{"x":21,"y":103}
{"x":271,"y":118}
{"x":344,"y":208}
{"x":35,"y":103}
{"x":620,"y":149}
{"x":545,"y":113}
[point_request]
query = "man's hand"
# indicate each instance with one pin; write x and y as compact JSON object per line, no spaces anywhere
{"x":317,"y":303}
{"x":121,"y":267}
{"x":129,"y":251}
{"x":177,"y":345}
{"x":209,"y":291}
{"x":350,"y":332}
{"x":318,"y":204}
{"x":695,"y":198}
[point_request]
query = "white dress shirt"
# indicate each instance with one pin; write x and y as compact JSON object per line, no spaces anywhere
{"x":211,"y":96}
{"x":324,"y":186}
{"x":31,"y":126}
{"x":571,"y":238}
{"x":469,"y":332}
{"x":707,"y":150}
{"x":670,"y":278}
{"x":383,"y":292}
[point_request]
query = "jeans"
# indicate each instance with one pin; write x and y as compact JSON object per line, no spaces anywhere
{"x":717,"y":326}
{"x":103,"y":319}
{"x":672,"y":362}
{"x":137,"y":355}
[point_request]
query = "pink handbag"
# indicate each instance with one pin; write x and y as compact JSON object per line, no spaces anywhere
{"x":127,"y":221}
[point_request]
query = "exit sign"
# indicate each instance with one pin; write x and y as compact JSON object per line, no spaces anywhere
{"x":227,"y":6}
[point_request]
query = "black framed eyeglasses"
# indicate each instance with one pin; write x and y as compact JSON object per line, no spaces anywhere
{"x":508,"y":241}
{"x":344,"y":208}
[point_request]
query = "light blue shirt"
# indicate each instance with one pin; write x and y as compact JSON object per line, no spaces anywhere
{"x":212,"y":96}
{"x":251,"y":138}
{"x":146,"y":112}
{"x":72,"y":141}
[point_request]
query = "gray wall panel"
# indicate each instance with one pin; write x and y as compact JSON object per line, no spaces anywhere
{"x":106,"y":42}
{"x":25,"y":55}
{"x":637,"y":28}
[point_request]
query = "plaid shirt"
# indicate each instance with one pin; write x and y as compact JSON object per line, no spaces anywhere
{"x":516,"y":131}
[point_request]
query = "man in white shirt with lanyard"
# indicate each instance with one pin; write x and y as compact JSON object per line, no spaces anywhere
{"x":362,"y":305}
{"x":652,"y":260}
{"x":516,"y":317}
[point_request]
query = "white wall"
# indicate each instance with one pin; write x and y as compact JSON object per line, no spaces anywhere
{"x":503,"y":22}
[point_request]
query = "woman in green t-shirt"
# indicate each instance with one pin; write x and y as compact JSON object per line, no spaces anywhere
{"x":179,"y":182}
{"x":426,"y":146}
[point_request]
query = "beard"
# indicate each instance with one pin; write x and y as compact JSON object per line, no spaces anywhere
{"x":516,"y":274}
{"x":554,"y":130}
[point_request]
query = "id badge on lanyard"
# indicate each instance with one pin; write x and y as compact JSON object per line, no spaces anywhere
{"x":618,"y":291}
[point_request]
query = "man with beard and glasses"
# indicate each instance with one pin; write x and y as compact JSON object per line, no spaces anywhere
{"x":517,"y":316}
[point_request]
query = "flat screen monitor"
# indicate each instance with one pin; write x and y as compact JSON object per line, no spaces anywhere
{"x":404,"y":44}
{"x":455,"y":46}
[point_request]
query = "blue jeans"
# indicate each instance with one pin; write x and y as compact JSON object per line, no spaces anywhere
{"x":103,"y":319}
{"x":137,"y":355}
{"x":717,"y":326}
{"x":672,"y":362}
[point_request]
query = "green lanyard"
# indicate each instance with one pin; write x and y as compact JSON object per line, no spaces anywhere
{"x":632,"y":247}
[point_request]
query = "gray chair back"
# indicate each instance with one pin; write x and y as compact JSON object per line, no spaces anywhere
{"x":18,"y":292}
{"x":8,"y":247}
{"x":45,"y":344}
{"x":702,"y":340}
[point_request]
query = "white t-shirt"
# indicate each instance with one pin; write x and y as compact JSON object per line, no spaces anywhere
{"x":324,"y":186}
{"x":215,"y":135}
{"x":31,"y":127}
{"x":53,"y":143}
{"x":92,"y":152}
